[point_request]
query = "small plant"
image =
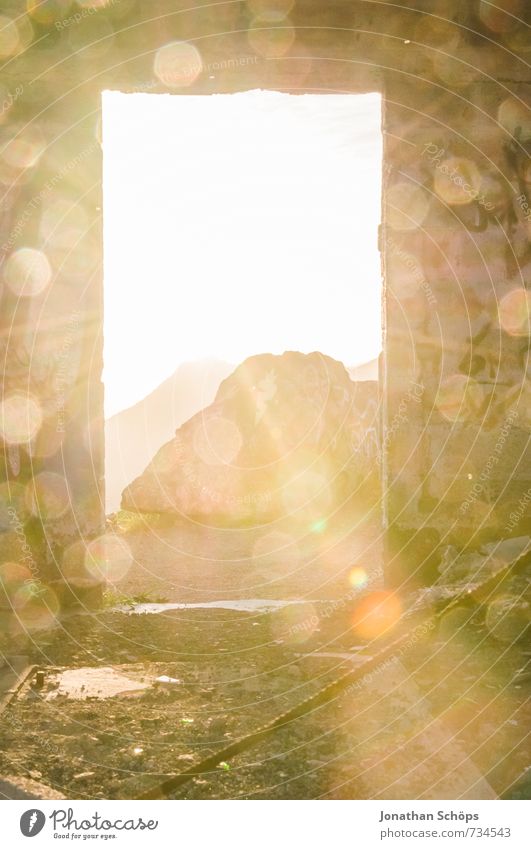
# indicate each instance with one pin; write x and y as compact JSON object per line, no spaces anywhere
{"x":125,"y":521}
{"x":113,"y":598}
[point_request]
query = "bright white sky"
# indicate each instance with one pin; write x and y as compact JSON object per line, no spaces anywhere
{"x":237,"y":224}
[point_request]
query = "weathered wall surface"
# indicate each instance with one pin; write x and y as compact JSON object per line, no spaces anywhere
{"x":455,"y":241}
{"x":456,"y":236}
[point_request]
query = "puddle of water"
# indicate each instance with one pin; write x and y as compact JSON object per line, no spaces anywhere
{"x":246,"y":605}
{"x":101,"y":682}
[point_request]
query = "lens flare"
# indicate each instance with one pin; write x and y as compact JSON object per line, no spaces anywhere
{"x":37,"y":608}
{"x":518,"y":40}
{"x":73,"y":565}
{"x":48,"y":496}
{"x":270,"y":10}
{"x":178,"y":64}
{"x":9,"y":175}
{"x":94,"y":4}
{"x":358,"y":578}
{"x":457,"y":181}
{"x":60,"y":215}
{"x":458,"y":398}
{"x":9,"y":37}
{"x":376,"y":614}
{"x":13,"y":577}
{"x":108,"y":558}
{"x":48,"y":11}
{"x":24,"y":148}
{"x":407,"y":206}
{"x":502,"y":16}
{"x":515,"y":313}
{"x":27,"y":272}
{"x":310,"y":492}
{"x":270,"y":42}
{"x":7,"y":101}
{"x":454,"y":68}
{"x":495,"y":193}
{"x":20,"y":418}
{"x":515,"y":117}
{"x":438,"y":33}
{"x":49,"y":439}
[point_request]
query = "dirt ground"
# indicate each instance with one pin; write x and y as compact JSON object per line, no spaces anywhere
{"x":447,"y":719}
{"x":312,"y":559}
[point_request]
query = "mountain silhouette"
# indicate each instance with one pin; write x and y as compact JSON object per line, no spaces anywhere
{"x":364,"y":371}
{"x":135,"y":434}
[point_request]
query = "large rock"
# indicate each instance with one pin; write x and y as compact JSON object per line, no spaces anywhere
{"x":288,"y":434}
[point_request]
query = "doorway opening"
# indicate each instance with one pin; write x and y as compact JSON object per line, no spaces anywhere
{"x":234,"y":225}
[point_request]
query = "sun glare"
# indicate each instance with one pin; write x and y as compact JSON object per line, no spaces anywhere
{"x":235,"y":225}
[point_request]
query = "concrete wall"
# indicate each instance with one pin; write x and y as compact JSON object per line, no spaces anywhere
{"x":457,"y":258}
{"x":455,"y":242}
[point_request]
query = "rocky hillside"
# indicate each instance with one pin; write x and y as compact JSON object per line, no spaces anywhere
{"x":132,"y":436}
{"x":285,"y":435}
